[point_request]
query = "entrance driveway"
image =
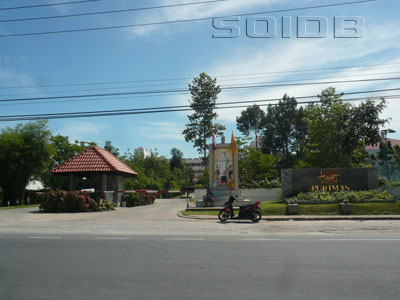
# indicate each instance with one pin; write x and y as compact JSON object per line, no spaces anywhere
{"x":161,"y":219}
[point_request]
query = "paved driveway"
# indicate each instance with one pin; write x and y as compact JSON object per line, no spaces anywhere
{"x":161,"y":219}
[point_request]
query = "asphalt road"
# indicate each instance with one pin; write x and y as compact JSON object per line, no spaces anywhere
{"x":151,"y":253}
{"x":201,"y":267}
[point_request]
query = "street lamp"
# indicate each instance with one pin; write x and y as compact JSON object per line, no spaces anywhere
{"x":384,"y":134}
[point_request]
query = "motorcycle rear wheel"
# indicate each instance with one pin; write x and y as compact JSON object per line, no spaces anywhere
{"x":223,"y":216}
{"x":256,"y":216}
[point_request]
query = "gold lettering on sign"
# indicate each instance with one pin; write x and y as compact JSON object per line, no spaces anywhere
{"x":329,"y":183}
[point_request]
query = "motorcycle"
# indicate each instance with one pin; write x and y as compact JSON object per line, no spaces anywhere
{"x":251,"y":211}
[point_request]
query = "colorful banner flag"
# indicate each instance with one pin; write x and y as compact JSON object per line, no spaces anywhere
{"x":233,"y":145}
{"x":214,"y":142}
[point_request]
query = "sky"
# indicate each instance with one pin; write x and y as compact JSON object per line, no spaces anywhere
{"x":167,"y":56}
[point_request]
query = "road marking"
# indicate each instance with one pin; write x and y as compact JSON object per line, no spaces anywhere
{"x":111,"y":238}
{"x":261,"y":239}
{"x":45,"y":237}
{"x":360,"y":239}
{"x":185,"y":239}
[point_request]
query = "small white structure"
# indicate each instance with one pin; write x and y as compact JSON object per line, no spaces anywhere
{"x":142,"y":151}
{"x":196,"y":164}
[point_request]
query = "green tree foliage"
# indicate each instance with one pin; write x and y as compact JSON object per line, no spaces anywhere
{"x":204,"y":91}
{"x":110,"y":148}
{"x":176,"y":161}
{"x":24,"y":152}
{"x":63,"y":151}
{"x":255,"y":167}
{"x":251,"y":122}
{"x":155,"y":173}
{"x":336,"y":130}
{"x":284,"y":131}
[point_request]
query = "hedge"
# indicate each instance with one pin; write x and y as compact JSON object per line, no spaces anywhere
{"x":78,"y":201}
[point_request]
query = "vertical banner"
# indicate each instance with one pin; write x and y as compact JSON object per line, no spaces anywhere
{"x":223,"y":166}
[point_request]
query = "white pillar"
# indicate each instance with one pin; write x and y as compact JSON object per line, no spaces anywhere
{"x":104,"y":182}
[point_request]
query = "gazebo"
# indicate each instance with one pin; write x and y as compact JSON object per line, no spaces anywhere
{"x":107,"y":169}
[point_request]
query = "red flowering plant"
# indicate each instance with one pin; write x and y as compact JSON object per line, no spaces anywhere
{"x":62,"y":201}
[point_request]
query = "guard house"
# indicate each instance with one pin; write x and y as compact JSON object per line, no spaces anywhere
{"x":108,"y":171}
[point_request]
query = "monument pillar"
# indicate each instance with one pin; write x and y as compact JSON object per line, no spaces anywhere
{"x":223,"y":166}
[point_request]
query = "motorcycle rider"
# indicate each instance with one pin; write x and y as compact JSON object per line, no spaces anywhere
{"x":230,"y":205}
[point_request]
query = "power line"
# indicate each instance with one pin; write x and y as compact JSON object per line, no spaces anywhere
{"x":49,"y":4}
{"x":174,"y":84}
{"x":179,"y":106}
{"x":146,"y":96}
{"x":186,"y":90}
{"x":395,"y":64}
{"x":110,"y":11}
{"x":250,"y":101}
{"x":143,"y":111}
{"x":180,"y":21}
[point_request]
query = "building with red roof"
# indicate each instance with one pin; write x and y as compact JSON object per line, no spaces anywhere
{"x":108,"y":171}
{"x":374,"y":149}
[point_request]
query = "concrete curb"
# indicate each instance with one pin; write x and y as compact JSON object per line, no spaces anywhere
{"x":304,"y":218}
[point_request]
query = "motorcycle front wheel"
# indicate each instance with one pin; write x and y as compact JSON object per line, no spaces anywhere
{"x":256,"y":216}
{"x":223,"y":216}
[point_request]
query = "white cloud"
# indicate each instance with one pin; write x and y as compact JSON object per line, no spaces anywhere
{"x":82,"y":130}
{"x":161,"y":131}
{"x":193,"y":12}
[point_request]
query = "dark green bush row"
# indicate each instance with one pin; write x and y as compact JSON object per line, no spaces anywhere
{"x":337,"y":197}
{"x":62,"y":201}
{"x":262,"y":184}
{"x":138,"y":199}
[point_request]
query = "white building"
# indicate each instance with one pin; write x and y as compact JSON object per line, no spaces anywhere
{"x":196,"y":164}
{"x":142,"y":151}
{"x":259,"y":143}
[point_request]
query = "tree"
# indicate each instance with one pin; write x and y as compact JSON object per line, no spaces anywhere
{"x":204,"y":91}
{"x":154,"y":173}
{"x":251,"y":121}
{"x":284,"y":131}
{"x":255,"y":167}
{"x":337,"y":130}
{"x":24,"y":152}
{"x":110,"y":148}
{"x":176,"y":161}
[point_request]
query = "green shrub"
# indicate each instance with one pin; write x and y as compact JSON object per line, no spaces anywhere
{"x":131,"y":199}
{"x":107,"y":205}
{"x":387,"y":183}
{"x":262,"y":184}
{"x":78,"y":201}
{"x":138,"y":199}
{"x":343,"y":196}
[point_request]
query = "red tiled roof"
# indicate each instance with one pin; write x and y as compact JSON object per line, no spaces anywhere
{"x":376,"y":146}
{"x":94,"y":160}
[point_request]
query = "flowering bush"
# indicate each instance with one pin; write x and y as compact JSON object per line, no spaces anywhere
{"x":341,"y":197}
{"x":62,"y":201}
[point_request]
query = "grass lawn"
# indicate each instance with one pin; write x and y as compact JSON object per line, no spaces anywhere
{"x":279,"y":209}
{"x":19,"y":206}
{"x":376,"y":208}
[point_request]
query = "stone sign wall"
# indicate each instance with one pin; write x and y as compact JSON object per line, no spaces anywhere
{"x":295,"y":181}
